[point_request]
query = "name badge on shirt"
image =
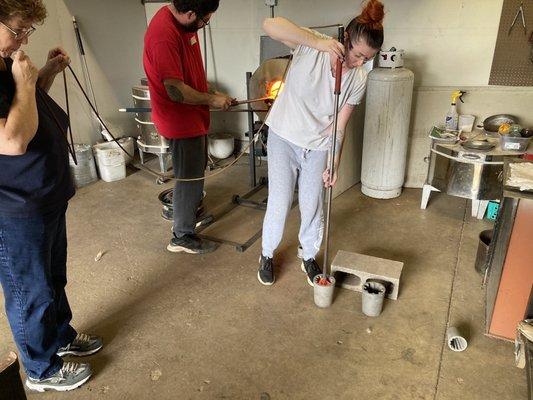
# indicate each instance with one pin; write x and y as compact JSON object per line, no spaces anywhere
{"x":193,"y":40}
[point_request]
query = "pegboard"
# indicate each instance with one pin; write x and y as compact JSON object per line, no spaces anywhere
{"x":512,"y":64}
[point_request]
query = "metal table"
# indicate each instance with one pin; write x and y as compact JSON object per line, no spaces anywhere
{"x":474,"y":175}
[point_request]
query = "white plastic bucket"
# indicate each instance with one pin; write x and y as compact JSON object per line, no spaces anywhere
{"x":110,"y":160}
{"x":221,"y":145}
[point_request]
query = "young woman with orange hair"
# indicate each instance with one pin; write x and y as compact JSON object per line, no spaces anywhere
{"x":300,"y":125}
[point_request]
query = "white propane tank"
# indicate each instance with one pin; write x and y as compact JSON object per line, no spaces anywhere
{"x":387,"y":117}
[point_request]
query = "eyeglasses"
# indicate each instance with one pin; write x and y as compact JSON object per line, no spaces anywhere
{"x":21,"y":34}
{"x":204,"y":21}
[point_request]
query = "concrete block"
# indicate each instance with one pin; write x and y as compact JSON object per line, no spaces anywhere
{"x":359,"y":268}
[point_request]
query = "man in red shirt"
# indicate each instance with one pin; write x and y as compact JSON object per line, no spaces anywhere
{"x":180,"y":107}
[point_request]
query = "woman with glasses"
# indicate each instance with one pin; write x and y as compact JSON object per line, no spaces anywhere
{"x":35,"y":186}
{"x":300,"y":123}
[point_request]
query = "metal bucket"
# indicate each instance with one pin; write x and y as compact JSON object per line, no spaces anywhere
{"x":485,"y":237}
{"x":85,"y":171}
{"x":146,"y":128}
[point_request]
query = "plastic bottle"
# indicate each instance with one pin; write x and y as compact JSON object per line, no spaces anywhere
{"x":452,"y":117}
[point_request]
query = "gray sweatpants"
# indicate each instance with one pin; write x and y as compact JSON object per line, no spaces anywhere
{"x":288,"y":164}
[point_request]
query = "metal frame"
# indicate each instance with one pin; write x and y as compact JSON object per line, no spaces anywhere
{"x":243,"y":200}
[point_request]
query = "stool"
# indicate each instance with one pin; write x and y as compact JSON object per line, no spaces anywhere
{"x":362,"y":268}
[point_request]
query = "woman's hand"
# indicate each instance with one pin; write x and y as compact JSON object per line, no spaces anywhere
{"x":57,"y":61}
{"x":331,"y":46}
{"x":25,"y":73}
{"x":325,"y":178}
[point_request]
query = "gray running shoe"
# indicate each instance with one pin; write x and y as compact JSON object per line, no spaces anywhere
{"x":82,"y":345}
{"x":70,"y":376}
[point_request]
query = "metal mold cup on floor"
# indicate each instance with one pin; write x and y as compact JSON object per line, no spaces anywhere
{"x":323,"y":294}
{"x":485,"y":237}
{"x":373,"y":296}
{"x":455,"y":341}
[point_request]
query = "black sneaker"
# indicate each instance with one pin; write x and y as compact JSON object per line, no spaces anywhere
{"x":265,"y":274}
{"x":311,"y":268}
{"x":192,"y":244}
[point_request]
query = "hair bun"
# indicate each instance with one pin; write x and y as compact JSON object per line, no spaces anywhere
{"x":372,"y":15}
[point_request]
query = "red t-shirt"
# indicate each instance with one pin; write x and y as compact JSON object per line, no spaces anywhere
{"x":171,"y":52}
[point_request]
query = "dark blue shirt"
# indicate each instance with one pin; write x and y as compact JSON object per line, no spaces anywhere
{"x":39,"y":180}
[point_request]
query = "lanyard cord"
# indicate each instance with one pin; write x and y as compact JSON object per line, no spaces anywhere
{"x":64,"y":133}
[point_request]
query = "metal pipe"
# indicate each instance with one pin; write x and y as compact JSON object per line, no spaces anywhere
{"x":338,"y":75}
{"x":238,"y":102}
{"x":84,"y":61}
{"x":253,"y":178}
{"x":328,"y":26}
{"x":147,"y":110}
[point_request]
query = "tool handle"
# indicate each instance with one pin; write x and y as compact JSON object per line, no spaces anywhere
{"x":338,"y":69}
{"x":78,"y":36}
{"x":338,"y":76}
{"x":135,"y":110}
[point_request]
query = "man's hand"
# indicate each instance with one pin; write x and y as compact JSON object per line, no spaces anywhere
{"x":220,"y":101}
{"x":24,"y":71}
{"x":57,"y":61}
{"x":331,"y":46}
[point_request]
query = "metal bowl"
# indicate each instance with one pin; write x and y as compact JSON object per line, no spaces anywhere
{"x":481,"y":145}
{"x":493,"y":123}
{"x":526,"y":132}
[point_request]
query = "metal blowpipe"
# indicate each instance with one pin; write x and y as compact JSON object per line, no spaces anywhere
{"x":331,"y":167}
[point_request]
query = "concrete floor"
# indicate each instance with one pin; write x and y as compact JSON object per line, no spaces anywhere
{"x":180,"y":326}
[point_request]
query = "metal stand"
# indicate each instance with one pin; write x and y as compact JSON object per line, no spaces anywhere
{"x":236,"y":201}
{"x":244,"y":200}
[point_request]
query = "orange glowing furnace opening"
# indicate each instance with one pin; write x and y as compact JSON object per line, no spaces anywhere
{"x":274,"y":88}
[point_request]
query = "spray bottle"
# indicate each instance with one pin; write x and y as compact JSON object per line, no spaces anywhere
{"x":452,"y":118}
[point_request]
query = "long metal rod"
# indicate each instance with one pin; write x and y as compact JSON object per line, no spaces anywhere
{"x":251,"y":155}
{"x":238,"y":102}
{"x":338,"y":76}
{"x":330,"y":188}
{"x":328,"y":26}
{"x":84,"y":61}
{"x":85,"y":68}
{"x":147,"y":110}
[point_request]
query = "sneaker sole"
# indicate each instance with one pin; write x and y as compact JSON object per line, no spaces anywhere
{"x":78,"y":353}
{"x":307,"y":276}
{"x":265,"y":283}
{"x":182,"y":249}
{"x":38,"y":387}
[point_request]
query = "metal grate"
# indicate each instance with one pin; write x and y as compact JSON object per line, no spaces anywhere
{"x":512,"y":64}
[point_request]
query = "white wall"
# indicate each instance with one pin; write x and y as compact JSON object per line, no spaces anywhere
{"x":112,"y":33}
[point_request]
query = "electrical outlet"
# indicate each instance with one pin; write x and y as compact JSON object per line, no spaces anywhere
{"x":271,"y":3}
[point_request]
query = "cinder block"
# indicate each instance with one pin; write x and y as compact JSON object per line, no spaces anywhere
{"x":360,"y":268}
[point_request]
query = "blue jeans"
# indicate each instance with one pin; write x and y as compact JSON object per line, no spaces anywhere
{"x":33,"y":257}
